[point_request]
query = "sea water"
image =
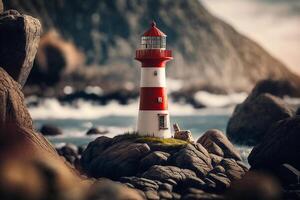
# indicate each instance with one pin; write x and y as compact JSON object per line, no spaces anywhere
{"x":77,"y":118}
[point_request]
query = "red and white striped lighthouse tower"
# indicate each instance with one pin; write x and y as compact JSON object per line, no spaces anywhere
{"x":153,"y":118}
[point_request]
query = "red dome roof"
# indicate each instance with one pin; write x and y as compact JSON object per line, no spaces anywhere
{"x":154,"y":31}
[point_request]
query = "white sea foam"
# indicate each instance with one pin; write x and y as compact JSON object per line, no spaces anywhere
{"x":53,"y":109}
{"x":216,"y":100}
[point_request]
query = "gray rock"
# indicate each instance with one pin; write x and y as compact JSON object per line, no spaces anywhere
{"x":215,"y":160}
{"x":163,"y":194}
{"x":152,"y":195}
{"x":117,"y":160}
{"x":222,"y":182}
{"x":252,"y":119}
{"x":232,"y":169}
{"x":166,"y":186}
{"x":140,"y":183}
{"x":279,"y":146}
{"x":19,"y":39}
{"x":217,"y":143}
{"x":94,"y":148}
{"x":154,"y":158}
{"x":50,"y":130}
{"x":163,"y":173}
{"x":195,"y":158}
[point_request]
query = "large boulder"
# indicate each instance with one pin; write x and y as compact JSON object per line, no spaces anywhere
{"x":19,"y":39}
{"x":216,"y":142}
{"x":117,"y":160}
{"x":251,"y":119}
{"x":279,"y":146}
{"x":195,"y":158}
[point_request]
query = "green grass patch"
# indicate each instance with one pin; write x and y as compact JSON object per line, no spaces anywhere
{"x":148,"y":139}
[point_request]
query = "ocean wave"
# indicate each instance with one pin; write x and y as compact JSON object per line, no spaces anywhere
{"x":53,"y":109}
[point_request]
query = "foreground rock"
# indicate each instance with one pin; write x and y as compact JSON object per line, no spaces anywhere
{"x":163,"y":168}
{"x":279,"y":146}
{"x":19,"y":39}
{"x":252,"y":119}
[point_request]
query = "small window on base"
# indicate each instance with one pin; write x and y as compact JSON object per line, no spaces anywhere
{"x":162,"y":121}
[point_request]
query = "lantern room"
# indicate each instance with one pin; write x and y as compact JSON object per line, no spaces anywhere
{"x":153,"y":38}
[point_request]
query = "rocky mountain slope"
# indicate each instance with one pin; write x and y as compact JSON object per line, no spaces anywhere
{"x":209,"y":53}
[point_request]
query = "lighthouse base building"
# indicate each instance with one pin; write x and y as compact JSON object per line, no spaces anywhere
{"x":153,"y":117}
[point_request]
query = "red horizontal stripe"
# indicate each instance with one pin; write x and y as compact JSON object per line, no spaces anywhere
{"x":149,"y":98}
{"x":153,"y":57}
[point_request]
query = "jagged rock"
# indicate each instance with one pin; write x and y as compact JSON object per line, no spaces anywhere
{"x":154,"y":158}
{"x":106,"y":189}
{"x":252,"y":119}
{"x":12,"y":107}
{"x":218,"y":169}
{"x":152,"y":195}
{"x":255,"y":186}
{"x":19,"y":39}
{"x":163,"y":173}
{"x":221,"y":180}
{"x":165,"y":194}
{"x":140,"y":183}
{"x":279,"y":146}
{"x":93,"y":149}
{"x":217,"y":143}
{"x":95,"y":131}
{"x":232,"y":169}
{"x":117,"y":160}
{"x":195,"y":158}
{"x":50,"y":130}
{"x":215,"y":160}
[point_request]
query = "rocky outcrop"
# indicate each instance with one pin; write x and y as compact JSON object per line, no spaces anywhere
{"x":215,"y":142}
{"x":19,"y":39}
{"x":12,"y":107}
{"x":50,"y":130}
{"x":160,"y":168}
{"x":252,"y":118}
{"x":279,"y":146}
{"x":207,"y":50}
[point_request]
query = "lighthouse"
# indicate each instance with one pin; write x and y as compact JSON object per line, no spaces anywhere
{"x":153,"y":117}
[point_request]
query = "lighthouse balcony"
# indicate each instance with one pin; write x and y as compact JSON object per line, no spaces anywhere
{"x":153,"y":54}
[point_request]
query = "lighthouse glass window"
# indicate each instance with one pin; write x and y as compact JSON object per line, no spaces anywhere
{"x":162,"y":121}
{"x":153,"y":42}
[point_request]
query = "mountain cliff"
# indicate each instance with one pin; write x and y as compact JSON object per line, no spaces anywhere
{"x":209,"y":53}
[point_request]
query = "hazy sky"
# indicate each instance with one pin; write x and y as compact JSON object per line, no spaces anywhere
{"x":275,"y":24}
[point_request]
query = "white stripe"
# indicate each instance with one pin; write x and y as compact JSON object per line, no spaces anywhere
{"x":148,"y":124}
{"x":153,"y":77}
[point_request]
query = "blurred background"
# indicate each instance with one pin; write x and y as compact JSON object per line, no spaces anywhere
{"x":85,"y":75}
